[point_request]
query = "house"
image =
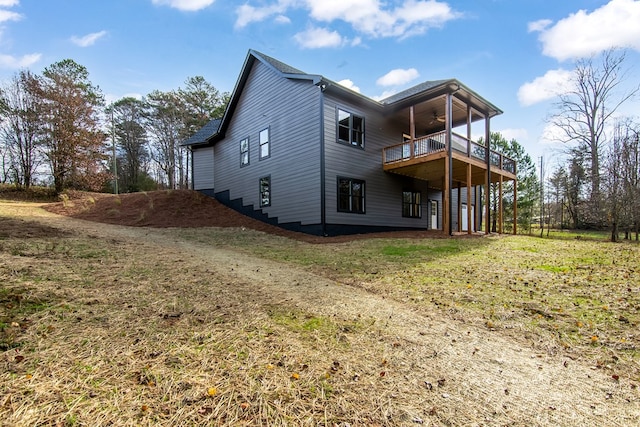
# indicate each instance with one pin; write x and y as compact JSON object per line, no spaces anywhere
{"x":305,"y":153}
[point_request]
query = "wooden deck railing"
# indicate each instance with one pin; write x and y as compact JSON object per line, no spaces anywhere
{"x":420,"y":147}
{"x":433,"y":143}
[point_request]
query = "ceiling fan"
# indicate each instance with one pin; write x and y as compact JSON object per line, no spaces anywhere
{"x":437,"y":118}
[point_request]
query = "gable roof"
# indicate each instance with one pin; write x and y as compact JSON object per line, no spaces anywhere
{"x":421,"y":92}
{"x":203,"y":135}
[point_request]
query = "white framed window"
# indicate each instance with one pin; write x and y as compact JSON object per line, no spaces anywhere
{"x":244,"y":152}
{"x":350,"y":128}
{"x":265,"y":146}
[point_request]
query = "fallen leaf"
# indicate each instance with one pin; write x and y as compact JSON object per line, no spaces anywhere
{"x":295,"y":376}
{"x":245,"y":405}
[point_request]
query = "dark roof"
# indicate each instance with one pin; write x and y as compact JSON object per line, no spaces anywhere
{"x":278,"y":65}
{"x":206,"y":132}
{"x":422,"y":87}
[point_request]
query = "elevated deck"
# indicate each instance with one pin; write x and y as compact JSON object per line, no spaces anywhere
{"x":425,"y":158}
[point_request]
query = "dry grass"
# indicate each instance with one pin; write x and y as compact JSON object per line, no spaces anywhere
{"x":114,"y":326}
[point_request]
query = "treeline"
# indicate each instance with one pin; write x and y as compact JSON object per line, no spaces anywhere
{"x":598,"y":186}
{"x":56,"y":130}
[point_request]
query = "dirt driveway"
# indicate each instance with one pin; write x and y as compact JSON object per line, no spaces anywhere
{"x":444,"y":372}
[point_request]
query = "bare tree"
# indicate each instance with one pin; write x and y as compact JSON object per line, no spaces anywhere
{"x":165,"y":122}
{"x":19,"y":127}
{"x":583,"y":113}
{"x":131,"y":137}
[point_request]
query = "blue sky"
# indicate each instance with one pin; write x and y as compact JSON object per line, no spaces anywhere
{"x":515,"y":53}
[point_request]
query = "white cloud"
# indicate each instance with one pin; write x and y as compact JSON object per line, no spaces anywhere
{"x":552,"y":134}
{"x":89,"y":39}
{"x":186,"y":5}
{"x":583,"y":34}
{"x":7,"y":15}
{"x":314,"y":38}
{"x":349,"y":84}
{"x":517,"y":134}
{"x":368,"y":17}
{"x":248,"y":14}
{"x":281,"y":19}
{"x":111,"y":98}
{"x":540,"y":25}
{"x":552,"y":84}
{"x":385,"y":94}
{"x":9,"y":3}
{"x":398,"y":77}
{"x":9,"y":61}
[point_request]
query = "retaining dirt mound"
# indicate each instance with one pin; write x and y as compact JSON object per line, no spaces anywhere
{"x":160,"y":209}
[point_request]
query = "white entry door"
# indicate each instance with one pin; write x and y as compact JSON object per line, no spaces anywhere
{"x":465,"y":226}
{"x":434,"y":214}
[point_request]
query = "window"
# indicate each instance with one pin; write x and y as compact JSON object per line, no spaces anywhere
{"x":265,"y":191}
{"x":411,"y":204}
{"x":264,"y":144}
{"x":350,"y":129}
{"x":350,"y":195}
{"x":244,"y":152}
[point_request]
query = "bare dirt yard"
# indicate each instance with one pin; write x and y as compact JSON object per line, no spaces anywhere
{"x":166,"y":308}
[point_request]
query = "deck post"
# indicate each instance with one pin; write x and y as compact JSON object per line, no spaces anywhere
{"x":449,"y":162}
{"x":412,"y":131}
{"x":500,"y":207}
{"x":487,"y":136}
{"x":469,"y":228}
{"x":469,"y":118}
{"x":445,"y":199}
{"x":515,"y":202}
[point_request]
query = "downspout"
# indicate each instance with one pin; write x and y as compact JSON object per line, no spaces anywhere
{"x":323,"y":204}
{"x":193,"y":178}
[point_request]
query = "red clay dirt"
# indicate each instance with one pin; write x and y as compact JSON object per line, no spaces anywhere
{"x":183,"y":209}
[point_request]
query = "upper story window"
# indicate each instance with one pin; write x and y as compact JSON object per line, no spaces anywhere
{"x":265,"y":149}
{"x":244,"y":152}
{"x":350,"y":195}
{"x":411,"y":207}
{"x":350,"y":128}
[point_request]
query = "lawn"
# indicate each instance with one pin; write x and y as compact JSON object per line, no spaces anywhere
{"x":580,"y":296}
{"x":124,"y":326}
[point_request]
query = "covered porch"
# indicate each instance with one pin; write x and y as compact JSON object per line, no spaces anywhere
{"x":438,"y":148}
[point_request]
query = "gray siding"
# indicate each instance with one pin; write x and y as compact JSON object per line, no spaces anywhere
{"x":203,"y":175}
{"x":383,"y":191}
{"x":291,"y":110}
